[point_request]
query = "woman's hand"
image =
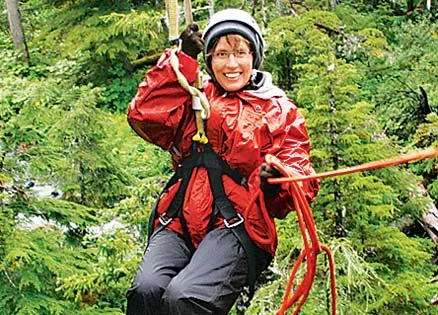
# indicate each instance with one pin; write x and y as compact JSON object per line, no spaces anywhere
{"x":266,"y":171}
{"x":192,"y":42}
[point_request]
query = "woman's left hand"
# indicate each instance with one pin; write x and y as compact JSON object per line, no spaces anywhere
{"x":266,"y":171}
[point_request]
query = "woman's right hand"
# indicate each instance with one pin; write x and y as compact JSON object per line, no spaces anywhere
{"x":192,"y":42}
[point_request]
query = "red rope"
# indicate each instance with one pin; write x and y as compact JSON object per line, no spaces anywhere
{"x":312,"y":246}
{"x":420,"y":155}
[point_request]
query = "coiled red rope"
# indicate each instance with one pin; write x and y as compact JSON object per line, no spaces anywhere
{"x":312,"y":246}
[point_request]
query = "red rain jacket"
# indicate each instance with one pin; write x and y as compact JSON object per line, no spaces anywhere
{"x":243,"y":128}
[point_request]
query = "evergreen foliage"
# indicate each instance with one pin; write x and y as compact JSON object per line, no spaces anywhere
{"x":77,"y":185}
{"x":412,"y":79}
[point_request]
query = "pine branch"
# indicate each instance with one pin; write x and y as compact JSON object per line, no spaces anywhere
{"x":148,"y":60}
{"x":9,"y":279}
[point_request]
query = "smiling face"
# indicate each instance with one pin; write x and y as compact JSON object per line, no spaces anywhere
{"x":232,"y":62}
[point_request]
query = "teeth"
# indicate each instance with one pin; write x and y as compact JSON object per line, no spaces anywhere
{"x":232,"y":75}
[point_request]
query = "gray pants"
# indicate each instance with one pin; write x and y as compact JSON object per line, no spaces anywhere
{"x":172,"y":281}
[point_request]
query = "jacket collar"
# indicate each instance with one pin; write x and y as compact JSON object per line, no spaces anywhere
{"x":261,"y":86}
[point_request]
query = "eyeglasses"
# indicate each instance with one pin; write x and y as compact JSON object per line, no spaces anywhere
{"x":225,"y":55}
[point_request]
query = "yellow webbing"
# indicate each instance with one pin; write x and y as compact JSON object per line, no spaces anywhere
{"x":198,"y":96}
{"x":172,"y":18}
{"x":188,"y":11}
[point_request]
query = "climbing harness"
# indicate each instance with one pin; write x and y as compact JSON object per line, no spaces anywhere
{"x":199,"y":101}
{"x":216,"y":168}
{"x":312,"y":246}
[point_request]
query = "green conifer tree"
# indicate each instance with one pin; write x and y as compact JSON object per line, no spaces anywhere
{"x":364,"y":208}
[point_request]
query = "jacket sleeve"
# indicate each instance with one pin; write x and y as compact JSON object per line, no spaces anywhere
{"x":158,"y":107}
{"x":291,"y":146}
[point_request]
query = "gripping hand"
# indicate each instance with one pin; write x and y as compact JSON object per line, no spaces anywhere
{"x":192,"y":42}
{"x":266,"y":171}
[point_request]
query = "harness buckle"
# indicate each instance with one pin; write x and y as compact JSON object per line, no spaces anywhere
{"x":235,"y":221}
{"x":164,"y":219}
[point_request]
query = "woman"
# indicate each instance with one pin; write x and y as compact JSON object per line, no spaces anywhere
{"x":209,"y":240}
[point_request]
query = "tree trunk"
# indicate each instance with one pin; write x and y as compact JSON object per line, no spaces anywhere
{"x":410,"y":4}
{"x":16,"y":28}
{"x":430,"y":216}
{"x":211,"y":7}
{"x":148,"y":60}
{"x":265,"y":14}
{"x":430,"y":222}
{"x":337,"y":194}
{"x":332,"y":5}
{"x":279,"y":5}
{"x":253,"y":7}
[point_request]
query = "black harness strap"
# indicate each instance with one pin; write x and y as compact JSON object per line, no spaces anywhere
{"x":234,"y":221}
{"x":183,"y":173}
{"x":216,"y":167}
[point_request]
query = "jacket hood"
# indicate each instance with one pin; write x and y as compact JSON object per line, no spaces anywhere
{"x":261,"y":86}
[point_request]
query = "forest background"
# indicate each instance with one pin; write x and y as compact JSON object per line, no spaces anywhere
{"x":77,"y":185}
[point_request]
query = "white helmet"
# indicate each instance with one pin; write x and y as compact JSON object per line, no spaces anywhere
{"x":234,"y":21}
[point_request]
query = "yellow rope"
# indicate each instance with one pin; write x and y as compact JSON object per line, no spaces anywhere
{"x":172,"y":18}
{"x":199,"y":100}
{"x":188,"y":11}
{"x":205,"y":112}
